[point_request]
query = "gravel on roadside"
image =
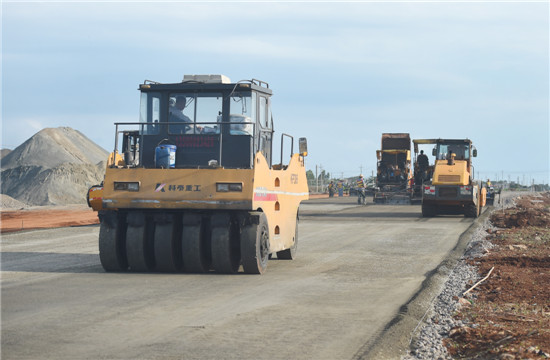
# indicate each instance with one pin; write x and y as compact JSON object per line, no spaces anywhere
{"x":427,"y":338}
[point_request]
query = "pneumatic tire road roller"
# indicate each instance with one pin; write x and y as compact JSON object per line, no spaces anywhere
{"x":191,"y":187}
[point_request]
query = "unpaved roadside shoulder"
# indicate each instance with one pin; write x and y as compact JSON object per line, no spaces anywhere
{"x":45,"y":217}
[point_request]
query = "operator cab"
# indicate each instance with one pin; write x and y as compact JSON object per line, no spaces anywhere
{"x":461,"y":149}
{"x":210,"y":121}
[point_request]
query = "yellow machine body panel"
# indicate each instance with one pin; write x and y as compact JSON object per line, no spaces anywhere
{"x":456,"y":174}
{"x":95,"y":197}
{"x":393,"y":152}
{"x":177,"y":189}
{"x":278,"y":194}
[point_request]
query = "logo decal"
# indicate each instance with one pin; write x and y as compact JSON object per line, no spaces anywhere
{"x":160,"y":187}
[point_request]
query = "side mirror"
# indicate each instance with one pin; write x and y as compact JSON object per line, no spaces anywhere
{"x":434,"y":152}
{"x":474,"y":153}
{"x":303,"y":146}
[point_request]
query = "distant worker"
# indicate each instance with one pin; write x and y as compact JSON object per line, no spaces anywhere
{"x":331,"y":189}
{"x":489,"y":184}
{"x":423,"y":162}
{"x":361,"y":186}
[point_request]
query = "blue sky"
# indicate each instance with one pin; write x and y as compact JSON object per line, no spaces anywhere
{"x":341,"y":73}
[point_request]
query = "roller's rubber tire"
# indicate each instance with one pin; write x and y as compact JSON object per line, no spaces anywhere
{"x":194,"y":244}
{"x":167,"y":243}
{"x":255,"y":246}
{"x":226,"y":254}
{"x":139,"y":244}
{"x":471,"y":210}
{"x":112,"y":248}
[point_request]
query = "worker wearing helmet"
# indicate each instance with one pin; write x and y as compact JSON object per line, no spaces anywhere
{"x":177,"y":115}
{"x":361,"y":186}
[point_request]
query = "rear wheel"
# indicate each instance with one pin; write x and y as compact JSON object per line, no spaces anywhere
{"x":428,"y":210}
{"x":194,"y":249}
{"x":139,"y":247}
{"x":226,"y":254}
{"x":471,"y":210}
{"x":112,"y":232}
{"x":255,"y":246}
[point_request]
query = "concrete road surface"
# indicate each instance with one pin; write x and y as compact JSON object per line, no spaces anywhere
{"x":356,"y":268}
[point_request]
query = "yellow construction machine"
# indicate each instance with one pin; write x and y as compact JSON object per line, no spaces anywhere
{"x":393,"y":170}
{"x":193,"y":188}
{"x":450,"y":185}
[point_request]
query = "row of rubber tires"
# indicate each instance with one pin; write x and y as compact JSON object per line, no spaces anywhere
{"x":186,"y":242}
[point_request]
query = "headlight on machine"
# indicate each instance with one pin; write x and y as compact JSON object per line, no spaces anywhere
{"x":229,"y":187}
{"x":127,"y":186}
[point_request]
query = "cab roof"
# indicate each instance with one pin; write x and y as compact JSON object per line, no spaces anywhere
{"x":207,"y":83}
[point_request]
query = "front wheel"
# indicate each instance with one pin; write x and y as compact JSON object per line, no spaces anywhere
{"x":255,"y":246}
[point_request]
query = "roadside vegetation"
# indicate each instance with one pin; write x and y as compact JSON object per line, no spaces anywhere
{"x":507,"y":316}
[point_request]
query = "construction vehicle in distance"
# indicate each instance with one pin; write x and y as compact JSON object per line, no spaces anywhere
{"x":452,"y":187}
{"x":193,"y":187}
{"x":393,"y":170}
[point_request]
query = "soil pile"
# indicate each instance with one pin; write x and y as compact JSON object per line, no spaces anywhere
{"x":7,"y":202}
{"x":4,"y":152}
{"x":508,"y":315}
{"x":56,"y":166}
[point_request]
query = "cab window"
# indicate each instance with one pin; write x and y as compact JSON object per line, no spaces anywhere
{"x":149,"y":112}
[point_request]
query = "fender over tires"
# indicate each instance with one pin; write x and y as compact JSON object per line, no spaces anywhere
{"x":290,"y":254}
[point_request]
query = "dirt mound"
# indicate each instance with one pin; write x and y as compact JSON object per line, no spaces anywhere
{"x":532,"y":211}
{"x":54,"y":167}
{"x":7,"y":202}
{"x":61,"y":185}
{"x":51,"y":147}
{"x":4,"y":152}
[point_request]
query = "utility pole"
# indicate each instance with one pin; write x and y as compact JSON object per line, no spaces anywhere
{"x":322,"y":175}
{"x":316,"y":179}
